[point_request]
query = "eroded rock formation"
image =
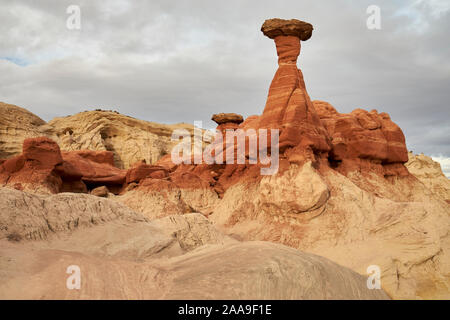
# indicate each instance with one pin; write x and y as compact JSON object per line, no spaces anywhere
{"x":429,"y":172}
{"x":288,"y":107}
{"x":43,"y":168}
{"x":34,"y":169}
{"x":363,"y":141}
{"x":16,"y":125}
{"x":341,"y":191}
{"x":125,"y":256}
{"x":129,"y":139}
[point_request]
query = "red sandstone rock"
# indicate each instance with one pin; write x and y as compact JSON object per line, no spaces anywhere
{"x":14,"y":164}
{"x":43,"y":168}
{"x":166,"y":162}
{"x":288,"y":105}
{"x":158,"y":174}
{"x":250,"y":122}
{"x":68,"y":172}
{"x":34,"y":169}
{"x":141,"y":170}
{"x":359,"y":141}
{"x":96,"y":167}
{"x":288,"y":108}
{"x":100,"y":157}
{"x":42,"y":150}
{"x":363,"y":135}
{"x":223,"y":127}
{"x":189,"y":180}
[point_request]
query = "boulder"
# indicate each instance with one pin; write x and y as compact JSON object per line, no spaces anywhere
{"x":273,"y":28}
{"x":222,"y":118}
{"x":100,"y":191}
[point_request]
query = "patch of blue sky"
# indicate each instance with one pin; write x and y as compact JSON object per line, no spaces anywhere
{"x":420,"y":11}
{"x":22,"y":62}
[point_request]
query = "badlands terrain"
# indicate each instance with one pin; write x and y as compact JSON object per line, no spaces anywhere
{"x":99,"y":190}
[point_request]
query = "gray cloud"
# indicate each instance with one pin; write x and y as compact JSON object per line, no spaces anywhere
{"x":173,"y":61}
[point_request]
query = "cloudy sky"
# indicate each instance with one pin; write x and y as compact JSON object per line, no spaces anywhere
{"x":180,"y":61}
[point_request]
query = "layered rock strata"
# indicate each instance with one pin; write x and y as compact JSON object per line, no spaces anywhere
{"x":341,"y":190}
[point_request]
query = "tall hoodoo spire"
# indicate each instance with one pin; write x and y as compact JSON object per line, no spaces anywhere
{"x":288,"y":105}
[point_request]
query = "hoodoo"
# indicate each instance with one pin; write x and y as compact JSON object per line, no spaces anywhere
{"x":288,"y":105}
{"x":340,"y":190}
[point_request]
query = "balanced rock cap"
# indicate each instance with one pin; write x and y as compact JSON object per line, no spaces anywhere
{"x":221,"y":118}
{"x":273,"y":28}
